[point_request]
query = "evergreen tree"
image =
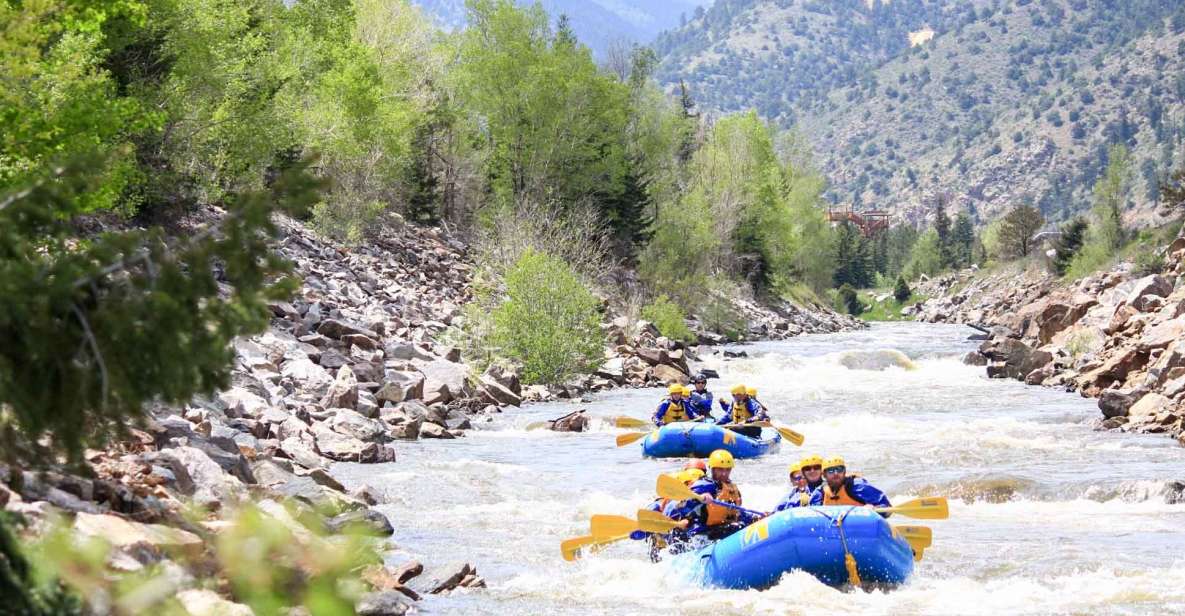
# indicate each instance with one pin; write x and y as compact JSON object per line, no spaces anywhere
{"x":880,"y":253}
{"x":942,"y":228}
{"x":853,"y":259}
{"x":963,"y":237}
{"x":1172,"y":190}
{"x":627,"y":212}
{"x":901,"y":290}
{"x":1068,"y":245}
{"x":423,"y":196}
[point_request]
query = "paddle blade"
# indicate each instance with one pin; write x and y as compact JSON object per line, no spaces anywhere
{"x":920,"y":537}
{"x":669,"y":487}
{"x":611,"y":525}
{"x":627,"y":422}
{"x":629,"y":437}
{"x":929,"y":508}
{"x":790,"y":435}
{"x":571,"y":549}
{"x":655,"y":522}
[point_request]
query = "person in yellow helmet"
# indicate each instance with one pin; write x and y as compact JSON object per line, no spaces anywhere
{"x":812,"y":471}
{"x":743,"y":410}
{"x":688,"y":475}
{"x":674,"y":407}
{"x":841,"y":489}
{"x":704,"y":515}
{"x":799,"y":495}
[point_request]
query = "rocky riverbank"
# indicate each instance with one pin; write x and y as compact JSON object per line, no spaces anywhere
{"x":349,"y":368}
{"x":1117,"y":335}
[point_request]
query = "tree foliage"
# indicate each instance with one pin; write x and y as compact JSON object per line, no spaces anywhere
{"x":549,"y":321}
{"x":1069,"y":243}
{"x":1017,"y":231}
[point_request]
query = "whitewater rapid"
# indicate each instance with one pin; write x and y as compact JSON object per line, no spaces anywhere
{"x":1047,"y":514}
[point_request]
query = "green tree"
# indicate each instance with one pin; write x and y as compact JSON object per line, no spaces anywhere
{"x":849,"y":301}
{"x":962,"y":239}
{"x":668,"y":317}
{"x":925,"y":257}
{"x":1110,"y":196}
{"x":1071,"y":240}
{"x":1017,"y":231}
{"x":549,"y":321}
{"x":901,"y":290}
{"x":942,"y":228}
{"x":853,"y":259}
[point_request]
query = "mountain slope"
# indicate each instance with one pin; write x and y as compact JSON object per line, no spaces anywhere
{"x":984,"y":103}
{"x":597,"y":23}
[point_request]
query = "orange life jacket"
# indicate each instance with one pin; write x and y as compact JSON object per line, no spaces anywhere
{"x":841,"y":497}
{"x":676,"y":411}
{"x":728,"y":493}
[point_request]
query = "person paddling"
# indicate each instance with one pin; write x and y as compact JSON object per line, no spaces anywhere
{"x":674,"y":407}
{"x":840,"y":489}
{"x":812,"y":471}
{"x":704,"y":516}
{"x":701,"y":399}
{"x":799,"y":495}
{"x":743,"y":410}
{"x":692,"y":472}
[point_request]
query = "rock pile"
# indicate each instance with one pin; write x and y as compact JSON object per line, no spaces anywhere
{"x":1117,"y":336}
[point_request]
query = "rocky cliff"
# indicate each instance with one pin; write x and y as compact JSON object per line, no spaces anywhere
{"x":1117,"y":335}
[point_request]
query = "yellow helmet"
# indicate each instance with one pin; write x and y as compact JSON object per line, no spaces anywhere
{"x":811,"y":460}
{"x":751,"y":391}
{"x":738,"y":389}
{"x":686,"y":390}
{"x":690,"y":475}
{"x":675,"y":388}
{"x":721,"y":459}
{"x":796,"y":468}
{"x":833,"y":462}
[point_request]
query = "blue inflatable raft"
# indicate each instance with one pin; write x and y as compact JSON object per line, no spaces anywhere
{"x":807,"y":539}
{"x":698,"y":439}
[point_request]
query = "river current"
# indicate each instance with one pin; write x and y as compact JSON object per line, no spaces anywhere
{"x":1048,"y":516}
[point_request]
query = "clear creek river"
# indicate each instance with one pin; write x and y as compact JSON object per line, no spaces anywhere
{"x":1048,"y":516}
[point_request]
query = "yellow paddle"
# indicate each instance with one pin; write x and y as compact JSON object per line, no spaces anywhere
{"x":929,"y":508}
{"x":655,"y":522}
{"x":570,"y":549}
{"x":611,"y":525}
{"x":919,"y":537}
{"x":627,"y":422}
{"x":670,"y":487}
{"x":629,"y":437}
{"x":786,"y":433}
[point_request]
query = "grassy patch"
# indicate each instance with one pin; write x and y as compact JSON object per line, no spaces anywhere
{"x":888,"y":310}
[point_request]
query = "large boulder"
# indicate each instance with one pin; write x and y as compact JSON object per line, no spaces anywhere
{"x":1115,"y":402}
{"x":126,"y":534}
{"x":343,"y":448}
{"x":1146,"y":288}
{"x":1055,"y":316}
{"x":352,"y":423}
{"x":307,"y":375}
{"x":399,"y":386}
{"x":1160,"y":335}
{"x":494,"y":392}
{"x":343,"y":393}
{"x":406,"y":351}
{"x":364,"y":521}
{"x":668,"y":374}
{"x":506,"y":376}
{"x":613,"y":369}
{"x":444,"y":381}
{"x":1012,"y":358}
{"x":383,"y":603}
{"x":1148,"y":407}
{"x":653,"y":356}
{"x":301,"y":452}
{"x":213,"y":485}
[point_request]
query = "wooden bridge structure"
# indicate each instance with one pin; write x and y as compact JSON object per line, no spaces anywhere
{"x":870,"y":222}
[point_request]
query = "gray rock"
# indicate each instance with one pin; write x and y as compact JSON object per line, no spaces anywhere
{"x":406,"y":351}
{"x":301,"y":452}
{"x":352,"y":423}
{"x":322,"y":477}
{"x":334,"y":328}
{"x":332,"y":359}
{"x":443,"y":380}
{"x":1115,"y":402}
{"x":495,"y":393}
{"x":214,"y":486}
{"x":309,"y":376}
{"x":383,"y":603}
{"x":399,"y":386}
{"x":342,"y":448}
{"x":343,"y":393}
{"x":431,"y":430}
{"x":366,"y":521}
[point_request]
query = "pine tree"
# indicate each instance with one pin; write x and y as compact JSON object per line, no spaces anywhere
{"x":901,"y":290}
{"x":627,"y":212}
{"x":1068,"y":245}
{"x":963,"y":237}
{"x":853,"y":259}
{"x":942,"y":227}
{"x":1172,"y":190}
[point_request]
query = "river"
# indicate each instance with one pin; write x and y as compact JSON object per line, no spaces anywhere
{"x":1047,"y":515}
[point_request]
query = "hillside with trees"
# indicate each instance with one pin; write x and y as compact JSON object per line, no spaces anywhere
{"x":983,"y":104}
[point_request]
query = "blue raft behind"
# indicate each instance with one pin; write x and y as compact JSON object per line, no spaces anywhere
{"x":807,"y":539}
{"x":698,"y":439}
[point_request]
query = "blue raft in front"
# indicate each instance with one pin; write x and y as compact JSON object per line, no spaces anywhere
{"x":808,"y":539}
{"x":698,"y":439}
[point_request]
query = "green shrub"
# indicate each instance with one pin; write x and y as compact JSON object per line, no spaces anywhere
{"x":667,"y":316}
{"x":549,"y":321}
{"x":347,"y":220}
{"x":1148,"y":260}
{"x":901,"y":290}
{"x":849,"y":301}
